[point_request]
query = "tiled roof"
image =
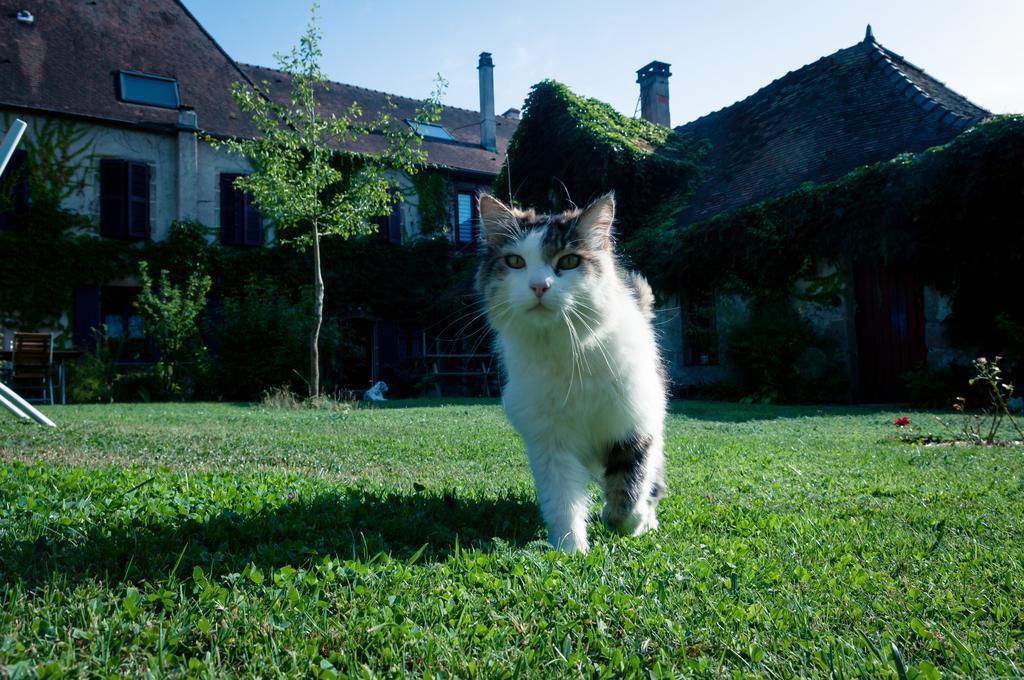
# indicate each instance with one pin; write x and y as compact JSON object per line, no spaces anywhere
{"x":860,"y":105}
{"x":463,"y":154}
{"x":68,"y":59}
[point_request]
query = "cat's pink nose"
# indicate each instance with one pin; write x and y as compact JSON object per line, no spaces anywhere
{"x":540,"y":288}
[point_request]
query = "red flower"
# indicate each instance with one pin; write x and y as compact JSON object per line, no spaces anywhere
{"x":902,"y":421}
{"x":982,"y":360}
{"x":958,"y":407}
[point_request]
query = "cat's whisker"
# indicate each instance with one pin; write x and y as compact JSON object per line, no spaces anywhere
{"x":572,"y":368}
{"x":575,"y":336}
{"x":484,"y":336}
{"x":479,"y":308}
{"x":597,"y":340}
{"x":599,"y":345}
{"x":462,"y":334}
{"x":497,"y":310}
{"x":477,"y":315}
{"x":575,"y":345}
{"x":583,"y":353}
{"x":667,"y":318}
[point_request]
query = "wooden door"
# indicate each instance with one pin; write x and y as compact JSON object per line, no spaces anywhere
{"x":890,"y":329}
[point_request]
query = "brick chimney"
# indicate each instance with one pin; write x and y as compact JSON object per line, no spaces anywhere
{"x":653,"y":80}
{"x":487,"y":126}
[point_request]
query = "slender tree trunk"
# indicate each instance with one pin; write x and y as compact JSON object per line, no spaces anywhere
{"x":318,"y":317}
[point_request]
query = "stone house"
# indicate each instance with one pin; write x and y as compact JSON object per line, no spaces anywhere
{"x":860,"y":105}
{"x":143,"y":77}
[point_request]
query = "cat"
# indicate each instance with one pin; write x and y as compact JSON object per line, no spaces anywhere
{"x":584,"y":384}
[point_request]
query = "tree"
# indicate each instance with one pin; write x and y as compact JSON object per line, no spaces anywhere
{"x":303,"y":180}
{"x":171,"y":314}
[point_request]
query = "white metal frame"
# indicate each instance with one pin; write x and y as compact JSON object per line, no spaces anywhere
{"x":10,"y":399}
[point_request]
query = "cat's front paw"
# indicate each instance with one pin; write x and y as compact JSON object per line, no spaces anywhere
{"x":632,"y":523}
{"x":569,"y":543}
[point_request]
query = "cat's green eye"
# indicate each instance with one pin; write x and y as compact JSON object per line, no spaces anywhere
{"x":569,"y":261}
{"x":515,"y":261}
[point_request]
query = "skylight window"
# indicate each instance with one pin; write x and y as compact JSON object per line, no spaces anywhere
{"x":431,"y":130}
{"x":143,"y":88}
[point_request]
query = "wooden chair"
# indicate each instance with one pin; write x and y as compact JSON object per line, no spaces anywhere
{"x":31,"y":361}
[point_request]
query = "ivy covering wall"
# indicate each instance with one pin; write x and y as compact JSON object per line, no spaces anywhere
{"x":258,"y":339}
{"x":953,"y":212}
{"x":433,"y":200}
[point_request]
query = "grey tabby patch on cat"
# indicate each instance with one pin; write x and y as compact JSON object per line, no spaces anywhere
{"x":584,"y":383}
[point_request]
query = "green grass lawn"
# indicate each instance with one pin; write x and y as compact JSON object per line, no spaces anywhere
{"x":219,"y":539}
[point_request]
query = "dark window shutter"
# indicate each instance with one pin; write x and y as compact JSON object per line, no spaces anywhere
{"x":15,"y":181}
{"x":228,"y":210}
{"x":113,"y":194}
{"x":138,"y":200}
{"x":253,"y":223}
{"x":240,"y":221}
{"x":86,"y":316}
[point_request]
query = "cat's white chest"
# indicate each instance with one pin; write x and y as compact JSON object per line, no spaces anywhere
{"x":579,"y":404}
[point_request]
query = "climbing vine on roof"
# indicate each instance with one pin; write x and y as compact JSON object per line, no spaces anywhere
{"x":571,"y":149}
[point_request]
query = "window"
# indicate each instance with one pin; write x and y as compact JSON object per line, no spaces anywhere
{"x":430,"y":130}
{"x":124,"y":198}
{"x":122,"y":322}
{"x":108,"y":314}
{"x":701,"y":331}
{"x":389,"y":227}
{"x":466,"y":218}
{"x":240,"y":221}
{"x":14,"y":192}
{"x":143,"y":88}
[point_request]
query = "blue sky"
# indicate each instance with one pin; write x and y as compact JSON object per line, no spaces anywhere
{"x":720,"y":51}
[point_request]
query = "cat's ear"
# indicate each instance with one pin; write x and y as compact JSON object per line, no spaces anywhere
{"x":498,"y":221}
{"x":595,"y":222}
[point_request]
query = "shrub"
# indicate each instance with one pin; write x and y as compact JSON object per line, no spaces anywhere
{"x":142,"y":384}
{"x":780,"y":356}
{"x":935,"y":387}
{"x":90,"y":377}
{"x":263,"y":341}
{"x":171,"y":313}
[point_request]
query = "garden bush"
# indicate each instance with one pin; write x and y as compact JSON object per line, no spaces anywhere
{"x":171,"y":313}
{"x":262,"y":338}
{"x":90,"y":377}
{"x":779,"y":356}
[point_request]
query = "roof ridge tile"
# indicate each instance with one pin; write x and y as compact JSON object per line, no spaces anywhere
{"x":370,"y":89}
{"x":767,"y":86}
{"x":883,"y":59}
